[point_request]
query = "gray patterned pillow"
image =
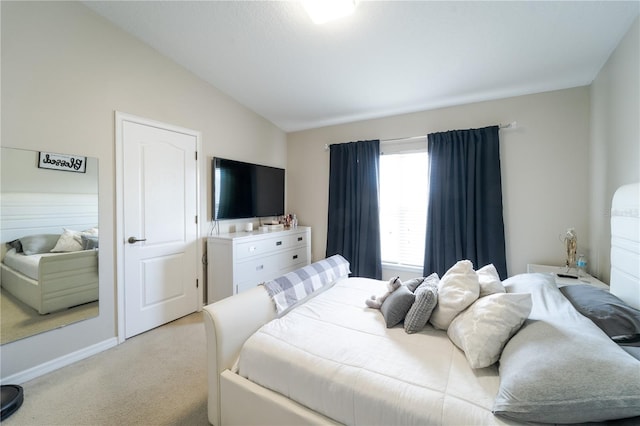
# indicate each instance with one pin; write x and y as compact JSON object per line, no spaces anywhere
{"x":420,"y":311}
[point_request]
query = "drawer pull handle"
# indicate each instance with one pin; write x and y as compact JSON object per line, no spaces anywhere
{"x":295,"y":256}
{"x":299,"y":238}
{"x":278,"y":243}
{"x":252,"y":248}
{"x":259,"y":267}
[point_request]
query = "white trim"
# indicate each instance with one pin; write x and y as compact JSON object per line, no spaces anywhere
{"x":49,"y":366}
{"x":120,"y":118}
{"x":401,"y":267}
{"x":404,"y":146}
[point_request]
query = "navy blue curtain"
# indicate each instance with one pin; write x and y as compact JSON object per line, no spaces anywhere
{"x":353,"y":225}
{"x":464,"y":216}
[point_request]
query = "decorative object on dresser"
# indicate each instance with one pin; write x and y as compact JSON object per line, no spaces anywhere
{"x":242,"y":260}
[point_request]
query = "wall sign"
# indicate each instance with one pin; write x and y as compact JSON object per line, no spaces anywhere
{"x":67,"y":163}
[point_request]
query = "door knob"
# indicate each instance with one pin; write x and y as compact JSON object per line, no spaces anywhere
{"x":133,"y":240}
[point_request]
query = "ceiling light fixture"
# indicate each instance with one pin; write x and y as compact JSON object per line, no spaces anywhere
{"x":322,"y":11}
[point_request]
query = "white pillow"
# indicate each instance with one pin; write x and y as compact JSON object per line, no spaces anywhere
{"x":67,"y":242}
{"x":486,"y":326}
{"x":91,"y":231}
{"x":489,"y":280}
{"x":458,"y":288}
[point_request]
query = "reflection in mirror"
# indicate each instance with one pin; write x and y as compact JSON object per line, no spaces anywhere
{"x":49,"y":241}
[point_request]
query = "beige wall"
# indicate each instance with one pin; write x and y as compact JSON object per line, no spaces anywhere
{"x":615,"y":140}
{"x":65,"y":70}
{"x":545,"y":167}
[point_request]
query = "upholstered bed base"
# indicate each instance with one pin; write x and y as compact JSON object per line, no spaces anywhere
{"x":64,"y":280}
{"x":245,"y":403}
{"x":228,"y":324}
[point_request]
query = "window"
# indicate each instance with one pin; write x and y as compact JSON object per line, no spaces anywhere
{"x":404,"y":192}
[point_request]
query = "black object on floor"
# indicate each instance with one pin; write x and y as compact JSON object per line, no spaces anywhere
{"x":12,"y":397}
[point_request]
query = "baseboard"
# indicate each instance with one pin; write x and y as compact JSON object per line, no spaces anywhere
{"x":63,"y":361}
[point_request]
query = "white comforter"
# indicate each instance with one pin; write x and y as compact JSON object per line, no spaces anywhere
{"x":27,"y":265}
{"x":354,"y":370}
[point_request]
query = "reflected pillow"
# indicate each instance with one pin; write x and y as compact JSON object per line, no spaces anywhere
{"x":67,"y":242}
{"x":15,"y":244}
{"x":89,"y":242}
{"x":36,"y":244}
{"x":91,"y":231}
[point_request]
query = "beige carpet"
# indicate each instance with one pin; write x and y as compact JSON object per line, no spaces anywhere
{"x":18,"y":320}
{"x":156,"y":378}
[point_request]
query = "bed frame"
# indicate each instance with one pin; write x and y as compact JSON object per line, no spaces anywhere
{"x":231,"y":321}
{"x":64,"y":280}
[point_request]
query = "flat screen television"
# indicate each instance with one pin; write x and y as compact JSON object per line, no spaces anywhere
{"x":242,"y":190}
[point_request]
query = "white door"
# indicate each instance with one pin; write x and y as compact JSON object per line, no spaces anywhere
{"x":159,"y":170}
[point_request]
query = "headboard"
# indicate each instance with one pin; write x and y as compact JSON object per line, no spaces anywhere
{"x":45,"y":213}
{"x":625,"y":244}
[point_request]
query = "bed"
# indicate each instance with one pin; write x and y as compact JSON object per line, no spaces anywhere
{"x":321,"y":356}
{"x":34,"y":224}
{"x":51,"y":282}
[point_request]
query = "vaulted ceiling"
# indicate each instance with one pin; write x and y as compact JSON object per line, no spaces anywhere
{"x":389,"y":57}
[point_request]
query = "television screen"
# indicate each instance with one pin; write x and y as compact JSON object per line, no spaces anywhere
{"x":243,"y":190}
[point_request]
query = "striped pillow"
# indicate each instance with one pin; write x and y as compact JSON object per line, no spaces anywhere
{"x":289,"y":289}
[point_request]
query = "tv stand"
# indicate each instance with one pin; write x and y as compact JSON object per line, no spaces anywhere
{"x":239,"y":261}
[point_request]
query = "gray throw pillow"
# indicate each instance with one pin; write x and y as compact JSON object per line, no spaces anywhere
{"x":560,"y":367}
{"x":414,"y":283}
{"x":35,"y":244}
{"x":421,"y":309}
{"x":620,"y":321}
{"x":15,"y":244}
{"x":396,"y":305}
{"x":89,"y":242}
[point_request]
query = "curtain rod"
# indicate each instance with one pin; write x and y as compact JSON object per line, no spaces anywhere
{"x":512,"y":125}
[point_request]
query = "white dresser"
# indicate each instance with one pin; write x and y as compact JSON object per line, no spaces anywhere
{"x":241,"y":260}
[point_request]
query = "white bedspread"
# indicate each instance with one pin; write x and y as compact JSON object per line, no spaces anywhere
{"x":27,"y":265}
{"x":353,"y":369}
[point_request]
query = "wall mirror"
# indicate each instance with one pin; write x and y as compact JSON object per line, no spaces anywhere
{"x":49,"y":241}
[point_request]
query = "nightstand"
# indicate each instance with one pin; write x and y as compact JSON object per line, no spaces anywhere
{"x":561,"y":281}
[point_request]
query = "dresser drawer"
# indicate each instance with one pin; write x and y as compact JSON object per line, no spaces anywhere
{"x":260,"y":247}
{"x":298,"y":240}
{"x":292,"y":259}
{"x":256,"y":270}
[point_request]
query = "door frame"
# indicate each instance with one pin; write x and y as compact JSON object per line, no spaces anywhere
{"x":120,"y":118}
